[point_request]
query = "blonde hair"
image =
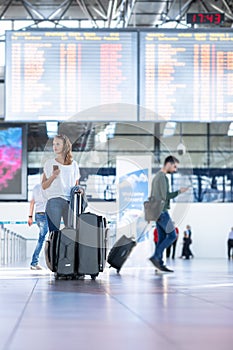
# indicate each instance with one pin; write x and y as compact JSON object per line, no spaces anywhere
{"x":67,"y":149}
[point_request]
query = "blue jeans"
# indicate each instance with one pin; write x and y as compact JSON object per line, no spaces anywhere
{"x":42,"y":223}
{"x":166,"y":235}
{"x":57,"y":208}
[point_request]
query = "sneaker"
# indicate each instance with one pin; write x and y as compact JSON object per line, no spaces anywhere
{"x":36,"y":267}
{"x":165,"y":269}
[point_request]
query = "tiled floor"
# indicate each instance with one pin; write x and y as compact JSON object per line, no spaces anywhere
{"x":138,"y":309}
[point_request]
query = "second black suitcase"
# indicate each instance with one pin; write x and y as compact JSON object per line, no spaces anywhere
{"x":120,"y":252}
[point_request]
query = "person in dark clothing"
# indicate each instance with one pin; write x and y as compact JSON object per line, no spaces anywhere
{"x":230,"y":244}
{"x":186,"y":252}
{"x":173,"y":246}
{"x":188,"y":231}
{"x":189,"y":234}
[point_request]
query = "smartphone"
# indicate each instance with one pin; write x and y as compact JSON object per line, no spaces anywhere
{"x":55,"y":167}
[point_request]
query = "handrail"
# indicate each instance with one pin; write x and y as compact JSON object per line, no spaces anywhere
{"x":13,"y":247}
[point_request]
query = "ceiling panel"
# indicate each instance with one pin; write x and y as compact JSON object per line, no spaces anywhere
{"x":131,"y":13}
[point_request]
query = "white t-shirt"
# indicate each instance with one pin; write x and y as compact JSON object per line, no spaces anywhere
{"x":38,"y":194}
{"x":67,"y":178}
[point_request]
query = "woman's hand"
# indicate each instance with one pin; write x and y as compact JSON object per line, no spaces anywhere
{"x":47,"y":182}
{"x":56,"y":172}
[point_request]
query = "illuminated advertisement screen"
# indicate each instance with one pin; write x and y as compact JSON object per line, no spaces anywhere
{"x":13,"y":162}
{"x":58,"y":75}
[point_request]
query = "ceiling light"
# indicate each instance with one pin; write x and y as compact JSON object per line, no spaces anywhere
{"x":230,"y":129}
{"x":52,"y":129}
{"x":169,"y":129}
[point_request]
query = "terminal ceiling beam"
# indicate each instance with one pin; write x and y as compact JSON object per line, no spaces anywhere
{"x":227,"y":5}
{"x":8,"y":4}
{"x":32,"y":10}
{"x":61,"y":10}
{"x":175,"y":11}
{"x":115,"y":13}
{"x":111,"y":11}
{"x":203,"y":4}
{"x":183,"y":10}
{"x":87,"y":12}
{"x":217,"y":8}
{"x":100,"y":10}
{"x":125,"y":11}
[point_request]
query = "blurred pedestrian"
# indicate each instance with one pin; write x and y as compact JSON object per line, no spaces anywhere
{"x":230,"y":244}
{"x":172,"y":246}
{"x":37,"y":205}
{"x":162,"y":195}
{"x":186,"y":252}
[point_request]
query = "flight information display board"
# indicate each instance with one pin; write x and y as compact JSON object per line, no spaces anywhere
{"x":186,"y":75}
{"x":59,"y":75}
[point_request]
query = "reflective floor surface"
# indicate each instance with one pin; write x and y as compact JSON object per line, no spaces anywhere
{"x":191,"y":308}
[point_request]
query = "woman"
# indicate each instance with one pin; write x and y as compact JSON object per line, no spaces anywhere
{"x":60,"y":175}
{"x":186,"y":252}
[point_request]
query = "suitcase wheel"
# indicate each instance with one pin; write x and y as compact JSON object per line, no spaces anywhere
{"x":69,"y":277}
{"x":93,"y":277}
{"x":64,"y":277}
{"x":80,"y":277}
{"x":118,"y":270}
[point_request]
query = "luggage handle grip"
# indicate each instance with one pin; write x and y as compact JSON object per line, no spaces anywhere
{"x":78,"y":193}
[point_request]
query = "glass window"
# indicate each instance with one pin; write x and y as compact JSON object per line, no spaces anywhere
{"x":221,"y":143}
{"x":192,"y":143}
{"x":219,"y":128}
{"x":187,"y":128}
{"x":132,"y":143}
{"x":221,"y":160}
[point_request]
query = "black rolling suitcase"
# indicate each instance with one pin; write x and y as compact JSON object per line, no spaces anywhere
{"x":121,"y":250}
{"x":92,"y":244}
{"x":60,"y":253}
{"x":66,"y":262}
{"x":61,"y":246}
{"x":51,"y":250}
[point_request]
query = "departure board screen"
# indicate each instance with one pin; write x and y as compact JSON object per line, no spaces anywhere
{"x":186,"y":75}
{"x":59,"y":75}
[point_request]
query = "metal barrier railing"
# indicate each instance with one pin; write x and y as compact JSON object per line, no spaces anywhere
{"x":13,"y":247}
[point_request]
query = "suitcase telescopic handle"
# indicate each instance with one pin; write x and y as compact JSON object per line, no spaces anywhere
{"x":77,"y":196}
{"x":80,"y":203}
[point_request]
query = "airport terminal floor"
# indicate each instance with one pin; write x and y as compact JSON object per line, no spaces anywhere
{"x":191,"y":308}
